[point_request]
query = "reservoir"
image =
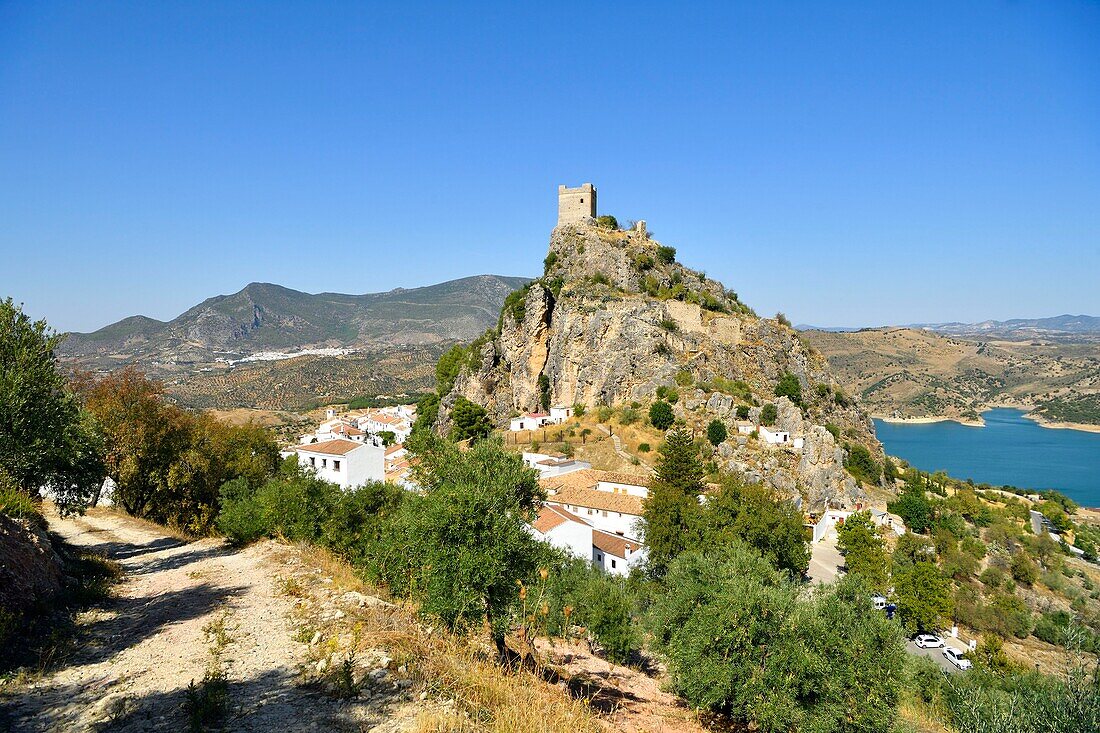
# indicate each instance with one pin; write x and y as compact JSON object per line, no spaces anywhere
{"x":1010,"y":450}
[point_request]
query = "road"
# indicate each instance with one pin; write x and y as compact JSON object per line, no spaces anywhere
{"x":936,"y":655}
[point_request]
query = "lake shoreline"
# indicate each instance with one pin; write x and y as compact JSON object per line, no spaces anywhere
{"x":1013,"y":452}
{"x":980,"y":423}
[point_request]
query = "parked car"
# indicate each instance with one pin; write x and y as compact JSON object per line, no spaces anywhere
{"x":956,"y":658}
{"x":928,"y":641}
{"x":879,"y":602}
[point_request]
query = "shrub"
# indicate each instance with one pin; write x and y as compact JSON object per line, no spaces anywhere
{"x":684,"y":378}
{"x":603,"y":413}
{"x":607,"y":222}
{"x":716,"y":432}
{"x":789,"y":387}
{"x":834,"y":430}
{"x":1023,"y":569}
{"x":669,"y":394}
{"x":16,"y":503}
{"x":768,"y":414}
{"x":578,"y":409}
{"x":550,"y":261}
{"x":660,"y":415}
{"x":470,"y":421}
{"x":861,"y":464}
{"x":739,"y":641}
{"x":644,"y":447}
{"x":598,"y":278}
{"x":783,"y":320}
{"x":742,"y":412}
{"x":666,"y":255}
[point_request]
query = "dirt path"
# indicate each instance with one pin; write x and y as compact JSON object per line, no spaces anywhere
{"x":139,"y":651}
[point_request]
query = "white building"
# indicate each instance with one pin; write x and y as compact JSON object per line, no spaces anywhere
{"x":553,"y":464}
{"x":535,"y":420}
{"x":530,"y":421}
{"x":394,"y":420}
{"x":611,"y":502}
{"x":609,"y":552}
{"x":346,"y":463}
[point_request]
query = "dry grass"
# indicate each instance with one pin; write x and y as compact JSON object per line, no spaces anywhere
{"x":467,"y":689}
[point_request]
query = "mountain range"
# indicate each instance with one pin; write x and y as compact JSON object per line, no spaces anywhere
{"x":263,"y":317}
{"x":1057,"y":327}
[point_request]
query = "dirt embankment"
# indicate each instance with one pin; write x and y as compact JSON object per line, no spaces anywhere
{"x":30,"y":570}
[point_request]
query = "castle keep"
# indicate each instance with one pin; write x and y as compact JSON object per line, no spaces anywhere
{"x":576,"y":204}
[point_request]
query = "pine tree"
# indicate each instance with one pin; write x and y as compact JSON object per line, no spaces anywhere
{"x":671,"y":511}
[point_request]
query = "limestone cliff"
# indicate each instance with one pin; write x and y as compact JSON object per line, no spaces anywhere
{"x":615,"y":317}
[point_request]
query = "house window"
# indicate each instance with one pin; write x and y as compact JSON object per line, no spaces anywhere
{"x":324,"y":463}
{"x":612,"y":563}
{"x":336,"y":465}
{"x":599,"y":557}
{"x":589,"y":511}
{"x":605,"y":514}
{"x":313,"y":461}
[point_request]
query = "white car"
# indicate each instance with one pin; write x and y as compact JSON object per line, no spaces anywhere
{"x":928,"y":641}
{"x":956,"y":658}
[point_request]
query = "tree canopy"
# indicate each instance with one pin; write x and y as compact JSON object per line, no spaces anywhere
{"x":671,"y":511}
{"x":660,"y":415}
{"x":46,"y":440}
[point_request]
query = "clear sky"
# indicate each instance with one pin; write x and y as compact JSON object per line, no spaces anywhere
{"x":849,"y":164}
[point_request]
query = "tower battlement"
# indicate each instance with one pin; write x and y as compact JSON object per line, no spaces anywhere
{"x":576,"y":204}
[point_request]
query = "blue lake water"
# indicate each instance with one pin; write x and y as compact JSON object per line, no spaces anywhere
{"x":1010,"y":449}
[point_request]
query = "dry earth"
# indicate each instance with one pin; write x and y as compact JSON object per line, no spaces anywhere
{"x":139,"y":651}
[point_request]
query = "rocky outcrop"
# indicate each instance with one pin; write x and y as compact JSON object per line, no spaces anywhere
{"x":612,"y":320}
{"x":30,"y":569}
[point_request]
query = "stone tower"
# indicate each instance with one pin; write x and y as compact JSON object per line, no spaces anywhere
{"x":576,"y":204}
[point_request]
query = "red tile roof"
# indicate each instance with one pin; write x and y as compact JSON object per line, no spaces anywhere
{"x":338,"y":447}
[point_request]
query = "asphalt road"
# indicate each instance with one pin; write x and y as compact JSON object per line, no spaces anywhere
{"x":936,"y":655}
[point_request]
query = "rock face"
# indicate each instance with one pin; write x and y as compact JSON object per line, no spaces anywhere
{"x":30,"y":569}
{"x":614,"y":318}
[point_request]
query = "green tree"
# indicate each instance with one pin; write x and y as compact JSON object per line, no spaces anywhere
{"x":768,"y":414}
{"x":789,"y":387}
{"x":1023,"y":569}
{"x":754,"y":515}
{"x":607,"y":221}
{"x":716,"y":432}
{"x":45,"y":439}
{"x":742,"y":412}
{"x":914,"y":509}
{"x":469,"y":421}
{"x":667,"y":255}
{"x":923,"y":596}
{"x":448,"y":368}
{"x":544,"y":391}
{"x":861,"y":464}
{"x":858,"y":540}
{"x":739,"y":640}
{"x":427,"y":412}
{"x":465,"y":544}
{"x":660,"y":415}
{"x":672,"y":509}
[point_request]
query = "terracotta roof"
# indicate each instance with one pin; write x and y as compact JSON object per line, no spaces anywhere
{"x":614,"y":544}
{"x":629,"y":479}
{"x":588,"y":478}
{"x":394,"y":448}
{"x":553,"y":516}
{"x":536,"y":414}
{"x":336,"y":447}
{"x":347,"y":430}
{"x":602,"y":500}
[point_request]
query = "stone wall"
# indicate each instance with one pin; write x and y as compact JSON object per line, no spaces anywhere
{"x":576,"y":204}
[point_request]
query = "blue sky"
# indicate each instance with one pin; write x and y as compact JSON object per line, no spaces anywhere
{"x":848,"y":164}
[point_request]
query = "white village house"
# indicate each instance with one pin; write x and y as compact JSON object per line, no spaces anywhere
{"x":610,"y":552}
{"x":611,"y":502}
{"x":535,"y":420}
{"x":553,"y":464}
{"x":346,"y":463}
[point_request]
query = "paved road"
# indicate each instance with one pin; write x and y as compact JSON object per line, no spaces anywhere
{"x":936,"y":655}
{"x":825,"y":559}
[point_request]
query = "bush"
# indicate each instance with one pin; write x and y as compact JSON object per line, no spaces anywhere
{"x":739,"y":641}
{"x":607,"y":222}
{"x":742,"y":412}
{"x":578,"y":409}
{"x":644,"y":447}
{"x":669,"y":325}
{"x":716,"y":432}
{"x":666,"y":255}
{"x":669,"y":394}
{"x":789,"y":387}
{"x":660,"y":415}
{"x":768,"y":414}
{"x":469,"y":421}
{"x":862,"y":465}
{"x":16,"y":503}
{"x":1023,"y":569}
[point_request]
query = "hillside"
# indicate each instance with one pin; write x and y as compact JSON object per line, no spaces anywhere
{"x":615,"y":318}
{"x":264,"y":317}
{"x":1064,"y":327}
{"x":909,"y":373}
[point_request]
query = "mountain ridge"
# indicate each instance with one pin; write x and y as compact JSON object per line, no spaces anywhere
{"x":268,"y":316}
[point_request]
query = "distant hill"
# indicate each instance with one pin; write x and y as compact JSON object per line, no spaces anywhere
{"x":264,"y":317}
{"x":1020,"y":328}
